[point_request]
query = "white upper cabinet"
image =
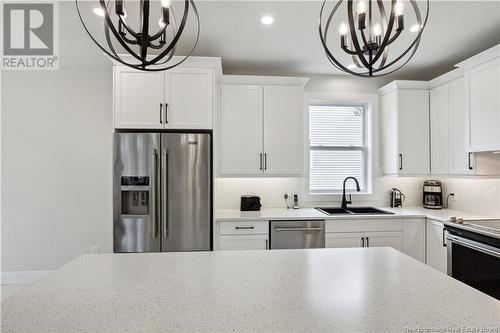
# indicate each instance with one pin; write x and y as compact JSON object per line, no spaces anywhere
{"x":439,"y":111}
{"x":180,"y":98}
{"x":261,"y":126}
{"x":482,"y":100}
{"x":405,"y":128}
{"x":461,"y":162}
{"x":283,"y":130}
{"x":189,"y":94}
{"x":138,"y":98}
{"x":448,"y":144}
{"x":240,"y":132}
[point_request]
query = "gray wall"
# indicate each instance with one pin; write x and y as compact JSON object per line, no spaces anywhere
{"x":56,"y":195}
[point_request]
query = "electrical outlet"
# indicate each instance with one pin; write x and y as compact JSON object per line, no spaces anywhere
{"x":94,"y":249}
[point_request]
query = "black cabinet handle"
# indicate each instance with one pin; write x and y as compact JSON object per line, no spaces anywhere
{"x":362,"y":242}
{"x":260,"y":161}
{"x":161,"y":113}
{"x":265,"y":161}
{"x":244,"y":228}
{"x":400,"y":161}
{"x":367,"y":242}
{"x":470,"y":164}
{"x":166,"y":113}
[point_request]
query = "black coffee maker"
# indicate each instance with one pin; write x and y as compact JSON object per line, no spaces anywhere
{"x":433,"y":194}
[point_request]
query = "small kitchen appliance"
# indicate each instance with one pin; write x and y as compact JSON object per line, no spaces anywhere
{"x":250,"y":203}
{"x":433,"y":194}
{"x":397,"y":198}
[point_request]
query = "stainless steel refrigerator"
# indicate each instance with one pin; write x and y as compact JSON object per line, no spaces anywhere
{"x":162,"y":192}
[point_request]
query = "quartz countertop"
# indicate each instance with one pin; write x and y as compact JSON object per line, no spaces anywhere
{"x":311,"y":213}
{"x":314,"y":290}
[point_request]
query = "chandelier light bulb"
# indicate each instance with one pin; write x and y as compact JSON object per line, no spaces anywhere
{"x":399,"y":8}
{"x":377,"y":30}
{"x":165,"y":3}
{"x":351,"y":66}
{"x":361,"y":7}
{"x":415,"y":28}
{"x":343,"y":29}
{"x":99,"y":11}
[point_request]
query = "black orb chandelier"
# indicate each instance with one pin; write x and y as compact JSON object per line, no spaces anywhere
{"x":153,"y":44}
{"x":369,"y":32}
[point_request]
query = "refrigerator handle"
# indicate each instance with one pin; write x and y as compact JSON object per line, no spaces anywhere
{"x":154,"y":172}
{"x":164,"y":191}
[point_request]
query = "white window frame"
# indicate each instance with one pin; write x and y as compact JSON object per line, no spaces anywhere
{"x":371,"y":141}
{"x":364,"y":148}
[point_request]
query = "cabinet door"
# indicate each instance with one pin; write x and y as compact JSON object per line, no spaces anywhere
{"x":189,"y":96}
{"x":343,"y":239}
{"x":389,"y":125}
{"x":483,"y":91}
{"x":138,"y":97}
{"x":436,"y":247}
{"x":283,"y":130}
{"x":413,"y":131}
{"x":439,"y":109}
{"x":392,"y":239}
{"x":243,"y":242}
{"x":460,"y":161}
{"x":414,"y":238}
{"x":241,"y":130}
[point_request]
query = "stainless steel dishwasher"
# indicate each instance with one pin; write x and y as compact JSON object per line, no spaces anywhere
{"x":297,"y":234}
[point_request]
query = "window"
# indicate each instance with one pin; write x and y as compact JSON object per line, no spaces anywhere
{"x":338,"y":147}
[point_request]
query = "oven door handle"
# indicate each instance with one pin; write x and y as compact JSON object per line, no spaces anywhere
{"x":474,"y":245}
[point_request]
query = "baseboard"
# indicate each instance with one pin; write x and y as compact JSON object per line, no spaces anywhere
{"x":22,"y":277}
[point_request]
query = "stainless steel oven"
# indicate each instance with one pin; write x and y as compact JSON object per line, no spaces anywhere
{"x":297,"y":234}
{"x":474,"y":258}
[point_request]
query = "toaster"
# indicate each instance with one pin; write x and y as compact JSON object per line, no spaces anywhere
{"x":250,"y":203}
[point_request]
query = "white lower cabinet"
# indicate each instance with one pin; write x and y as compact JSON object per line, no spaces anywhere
{"x":414,"y":238}
{"x":243,"y":235}
{"x":344,"y":239}
{"x":436,"y":246}
{"x":364,"y":233}
{"x":243,"y":242}
{"x":392,"y":239}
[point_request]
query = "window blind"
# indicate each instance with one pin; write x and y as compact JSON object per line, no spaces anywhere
{"x":337,"y":147}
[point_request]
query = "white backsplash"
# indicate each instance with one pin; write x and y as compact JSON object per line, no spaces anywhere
{"x":480,"y":196}
{"x":271,"y":190}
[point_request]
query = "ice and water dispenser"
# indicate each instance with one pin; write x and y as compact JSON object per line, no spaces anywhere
{"x":135,"y":195}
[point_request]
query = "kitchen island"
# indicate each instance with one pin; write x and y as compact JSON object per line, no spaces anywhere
{"x":342,"y":290}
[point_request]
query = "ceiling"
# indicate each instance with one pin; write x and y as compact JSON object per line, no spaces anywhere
{"x":232,"y":30}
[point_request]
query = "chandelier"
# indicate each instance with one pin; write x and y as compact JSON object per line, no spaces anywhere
{"x":368,"y":34}
{"x":153,"y":42}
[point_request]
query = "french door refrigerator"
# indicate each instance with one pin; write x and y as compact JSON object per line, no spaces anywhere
{"x":162,"y":192}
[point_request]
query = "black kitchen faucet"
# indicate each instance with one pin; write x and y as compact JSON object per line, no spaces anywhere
{"x":345,"y":202}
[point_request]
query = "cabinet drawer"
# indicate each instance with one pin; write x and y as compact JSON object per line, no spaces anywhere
{"x":244,"y":227}
{"x":357,"y":225}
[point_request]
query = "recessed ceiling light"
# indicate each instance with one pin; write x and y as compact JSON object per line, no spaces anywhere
{"x":415,"y":28}
{"x":267,"y":20}
{"x":99,"y":11}
{"x":351,"y":66}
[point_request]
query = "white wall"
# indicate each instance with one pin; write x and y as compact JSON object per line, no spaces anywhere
{"x":56,"y":195}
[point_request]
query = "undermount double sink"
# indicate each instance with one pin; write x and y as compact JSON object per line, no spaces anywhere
{"x":352,"y":211}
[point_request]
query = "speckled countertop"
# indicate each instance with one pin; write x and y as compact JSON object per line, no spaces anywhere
{"x":320,"y":290}
{"x":311,"y":213}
